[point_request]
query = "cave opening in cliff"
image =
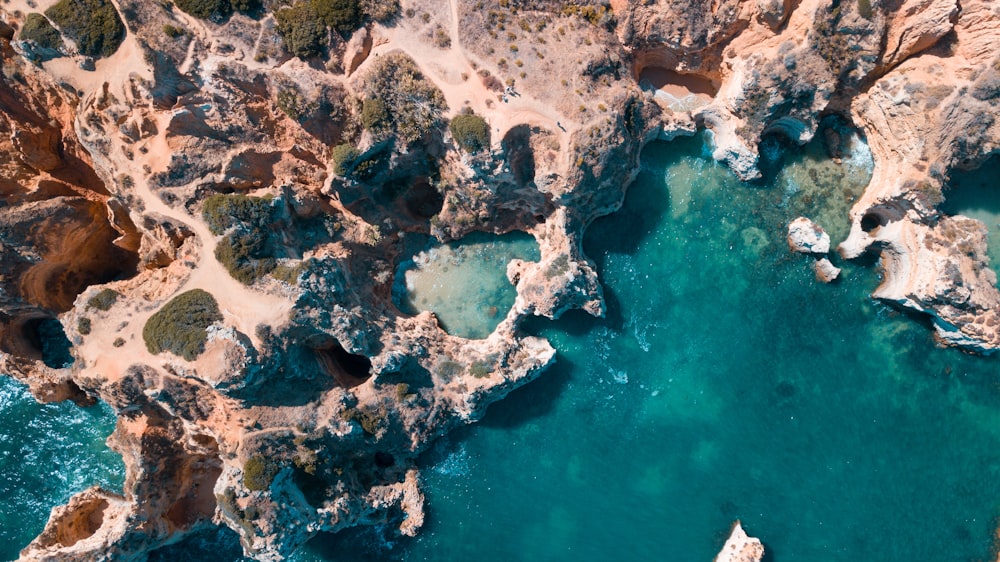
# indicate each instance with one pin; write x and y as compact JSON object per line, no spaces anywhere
{"x":348,"y":369}
{"x":384,"y":460}
{"x":422,"y":200}
{"x":47,"y":337}
{"x":680,"y":91}
{"x":871,"y":221}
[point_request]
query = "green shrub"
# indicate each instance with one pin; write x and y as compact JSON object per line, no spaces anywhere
{"x":83,"y":325}
{"x":118,"y":342}
{"x":414,"y":104}
{"x":865,"y":9}
{"x":289,"y":273}
{"x":244,"y":255}
{"x":343,"y":157}
{"x":380,"y":10}
{"x":258,"y":473}
{"x":374,"y":115}
{"x":342,"y":15}
{"x":301,"y":29}
{"x":205,"y":9}
{"x":38,"y":29}
{"x":104,"y":300}
{"x":224,"y":211}
{"x":180,"y":326}
{"x":291,"y":103}
{"x":471,"y":132}
{"x":172,"y":31}
{"x":93,"y":24}
{"x":371,"y":419}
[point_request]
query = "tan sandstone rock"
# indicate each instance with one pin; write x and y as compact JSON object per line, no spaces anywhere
{"x":740,"y":547}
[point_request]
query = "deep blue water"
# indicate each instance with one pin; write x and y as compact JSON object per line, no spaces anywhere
{"x":724,"y":383}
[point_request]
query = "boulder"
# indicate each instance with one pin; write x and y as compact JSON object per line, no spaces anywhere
{"x":807,"y":237}
{"x":740,"y":547}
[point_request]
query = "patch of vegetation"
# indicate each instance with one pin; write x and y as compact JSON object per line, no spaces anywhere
{"x":173,"y":31}
{"x":38,"y":29}
{"x":471,"y":132}
{"x":448,"y":370}
{"x":480,"y":369}
{"x":180,"y":326}
{"x":301,"y":29}
{"x":374,"y":115}
{"x":344,"y":156}
{"x":104,"y":300}
{"x":205,"y":9}
{"x":372,"y":420}
{"x":380,"y":10}
{"x":596,"y":15}
{"x":289,"y":273}
{"x":224,"y":211}
{"x":244,"y":255}
{"x":292,"y":104}
{"x":414,"y":104}
{"x":245,"y":220}
{"x":341,"y":15}
{"x":118,"y":342}
{"x":865,"y":9}
{"x":93,"y":25}
{"x":258,"y":473}
{"x":83,"y":325}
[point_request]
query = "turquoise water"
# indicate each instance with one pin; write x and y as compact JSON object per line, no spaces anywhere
{"x":974,"y":194}
{"x":724,"y":383}
{"x":465,"y":282}
{"x":48,"y":452}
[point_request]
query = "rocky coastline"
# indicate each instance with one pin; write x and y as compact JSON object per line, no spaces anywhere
{"x":211,"y":153}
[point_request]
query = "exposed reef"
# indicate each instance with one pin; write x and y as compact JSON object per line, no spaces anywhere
{"x":280,"y":161}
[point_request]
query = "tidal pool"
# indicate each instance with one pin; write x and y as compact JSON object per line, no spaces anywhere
{"x":464,"y":283}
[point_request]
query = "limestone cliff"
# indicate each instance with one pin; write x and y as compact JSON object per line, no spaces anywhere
{"x":278,"y":164}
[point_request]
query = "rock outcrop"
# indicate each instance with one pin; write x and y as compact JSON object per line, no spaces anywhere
{"x":807,"y":237}
{"x":740,"y":547}
{"x":210,"y":159}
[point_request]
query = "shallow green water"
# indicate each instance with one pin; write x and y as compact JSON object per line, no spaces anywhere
{"x":48,"y":453}
{"x":464,"y":283}
{"x":725,"y":383}
{"x":975,"y":195}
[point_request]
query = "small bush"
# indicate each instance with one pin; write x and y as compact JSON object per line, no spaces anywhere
{"x":180,"y":326}
{"x":414,"y":104}
{"x":224,"y":211}
{"x":374,"y":115}
{"x":289,"y":273}
{"x":118,"y":342}
{"x":380,"y":10}
{"x":172,"y":31}
{"x":205,"y":9}
{"x":301,"y":29}
{"x":93,"y":24}
{"x":244,"y":255}
{"x":83,"y":325}
{"x":342,"y":15}
{"x":104,"y":300}
{"x":471,"y":132}
{"x":38,"y":29}
{"x":371,"y":419}
{"x":258,"y":473}
{"x":343,"y":157}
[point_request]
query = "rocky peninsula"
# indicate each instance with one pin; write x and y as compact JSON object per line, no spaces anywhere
{"x":204,"y":205}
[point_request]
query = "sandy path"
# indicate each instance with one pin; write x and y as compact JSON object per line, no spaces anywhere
{"x":445,"y":68}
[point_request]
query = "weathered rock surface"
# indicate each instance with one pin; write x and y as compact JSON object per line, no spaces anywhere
{"x":826,"y":272}
{"x":807,"y":237}
{"x":314,"y":394}
{"x":740,"y":547}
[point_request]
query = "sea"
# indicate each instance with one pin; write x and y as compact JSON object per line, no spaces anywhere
{"x":724,"y":383}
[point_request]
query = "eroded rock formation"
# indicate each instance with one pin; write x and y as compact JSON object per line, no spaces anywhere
{"x":309,"y":400}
